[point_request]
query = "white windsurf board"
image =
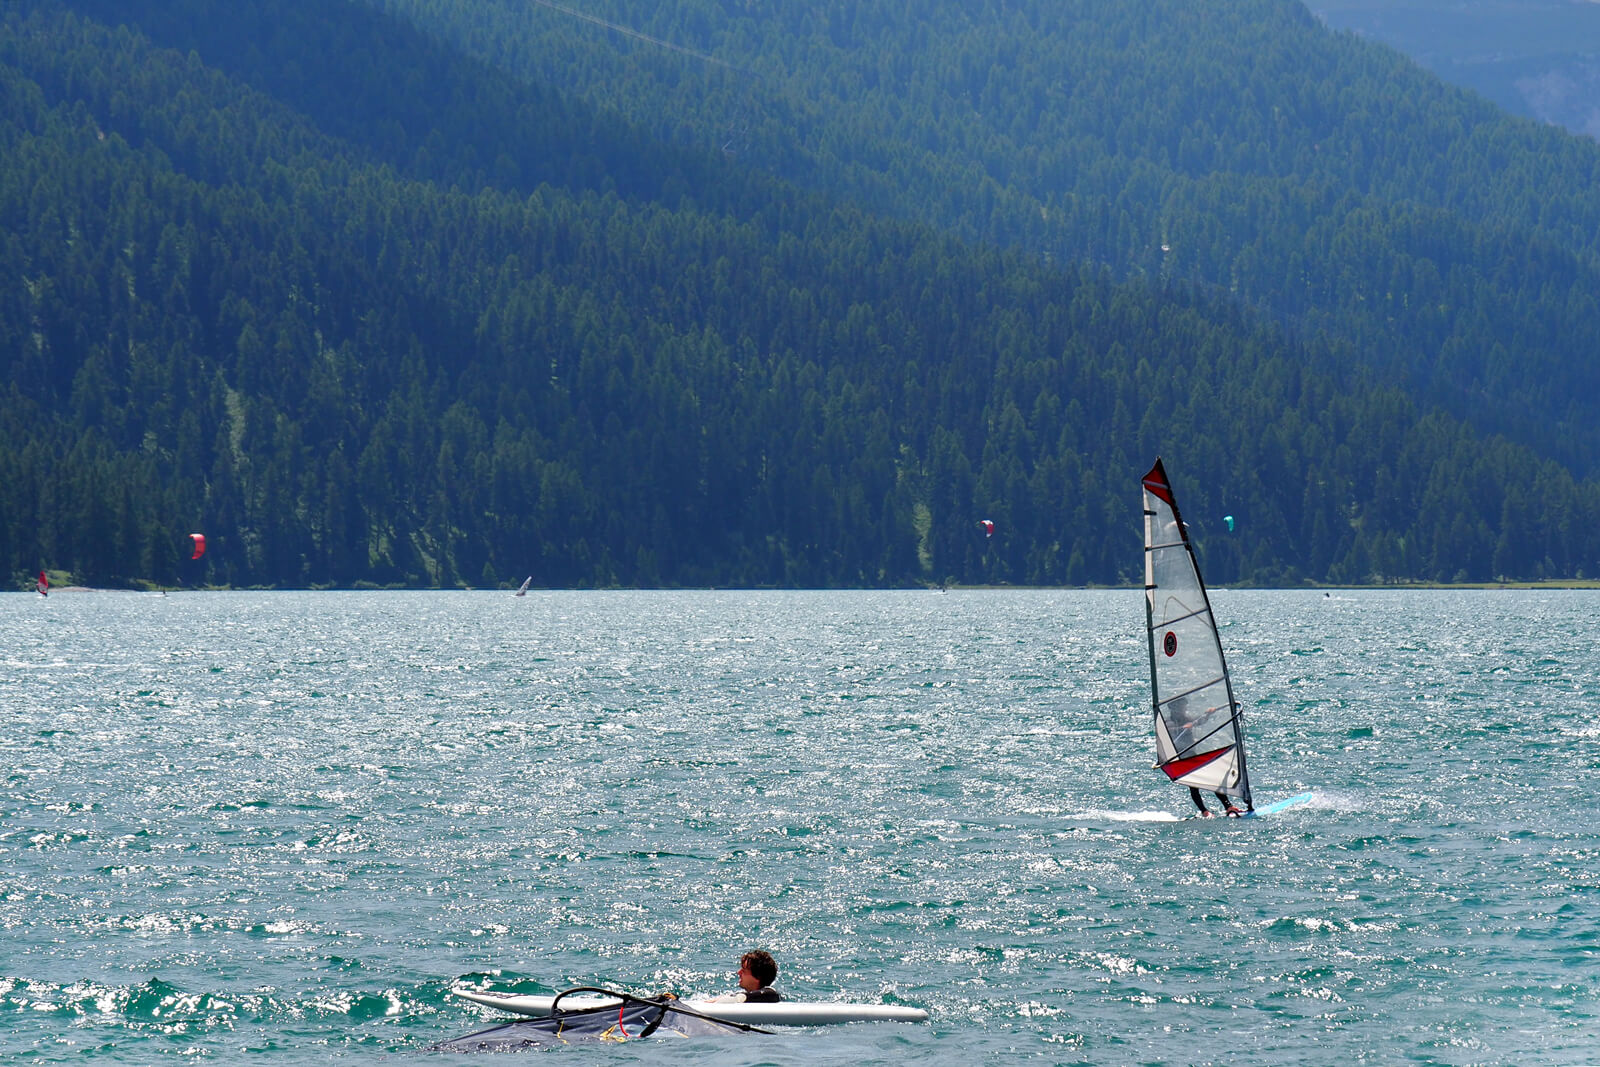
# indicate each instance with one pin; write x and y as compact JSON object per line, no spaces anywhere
{"x":783,"y":1013}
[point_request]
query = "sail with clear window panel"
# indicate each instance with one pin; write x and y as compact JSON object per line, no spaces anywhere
{"x":1198,"y":738}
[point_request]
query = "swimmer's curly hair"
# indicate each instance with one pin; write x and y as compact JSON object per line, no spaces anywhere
{"x":762,"y":966}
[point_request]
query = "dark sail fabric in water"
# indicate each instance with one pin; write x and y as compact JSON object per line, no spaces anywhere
{"x":631,"y":1020}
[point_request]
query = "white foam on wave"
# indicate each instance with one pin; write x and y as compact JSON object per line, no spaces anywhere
{"x":1337,"y":800}
{"x":1130,"y":816}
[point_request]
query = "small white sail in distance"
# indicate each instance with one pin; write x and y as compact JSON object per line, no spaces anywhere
{"x":522,"y":590}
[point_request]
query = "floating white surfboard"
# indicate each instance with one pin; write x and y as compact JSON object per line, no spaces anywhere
{"x":783,"y":1013}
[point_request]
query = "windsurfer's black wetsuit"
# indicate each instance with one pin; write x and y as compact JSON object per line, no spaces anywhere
{"x":765,"y":995}
{"x":1227,"y":805}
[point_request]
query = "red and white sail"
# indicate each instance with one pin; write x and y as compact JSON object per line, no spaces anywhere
{"x":1198,"y":737}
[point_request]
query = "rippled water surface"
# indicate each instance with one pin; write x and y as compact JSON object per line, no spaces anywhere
{"x":280,"y":826}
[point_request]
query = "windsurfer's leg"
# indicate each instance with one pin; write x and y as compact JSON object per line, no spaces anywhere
{"x":1199,"y":801}
{"x":1230,"y":807}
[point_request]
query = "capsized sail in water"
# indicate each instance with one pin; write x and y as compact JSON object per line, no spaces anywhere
{"x":756,"y":1013}
{"x":623,"y":1018}
{"x":1199,"y":738}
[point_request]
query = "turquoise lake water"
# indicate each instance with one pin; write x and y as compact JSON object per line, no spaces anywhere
{"x":278,"y":827}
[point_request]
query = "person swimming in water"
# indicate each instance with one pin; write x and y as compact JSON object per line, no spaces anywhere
{"x":757,"y":971}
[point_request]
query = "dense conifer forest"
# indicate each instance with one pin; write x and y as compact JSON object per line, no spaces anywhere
{"x":453,"y":292}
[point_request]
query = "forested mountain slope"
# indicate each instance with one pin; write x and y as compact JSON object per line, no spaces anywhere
{"x":364,"y":308}
{"x":1239,"y":144}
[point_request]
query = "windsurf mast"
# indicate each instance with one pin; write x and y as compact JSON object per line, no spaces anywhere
{"x":1199,"y":735}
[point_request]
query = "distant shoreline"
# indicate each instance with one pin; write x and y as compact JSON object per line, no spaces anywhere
{"x":1570,"y":584}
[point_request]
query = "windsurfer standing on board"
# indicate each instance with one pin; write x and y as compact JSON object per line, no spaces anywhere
{"x":1205,"y":813}
{"x":1185,"y":722}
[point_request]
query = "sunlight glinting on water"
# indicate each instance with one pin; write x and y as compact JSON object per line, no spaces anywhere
{"x":289,"y":822}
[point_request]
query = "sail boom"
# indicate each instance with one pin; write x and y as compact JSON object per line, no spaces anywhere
{"x":1190,"y":692}
{"x":1195,"y":749}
